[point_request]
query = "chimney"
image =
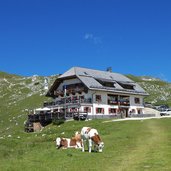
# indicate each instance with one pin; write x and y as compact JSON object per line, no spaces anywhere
{"x":109,"y":69}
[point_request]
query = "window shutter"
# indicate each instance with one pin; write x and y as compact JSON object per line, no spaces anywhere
{"x":96,"y":110}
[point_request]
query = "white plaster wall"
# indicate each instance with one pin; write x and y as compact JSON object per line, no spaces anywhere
{"x":132,"y":101}
{"x":103,"y":97}
{"x":103,"y":104}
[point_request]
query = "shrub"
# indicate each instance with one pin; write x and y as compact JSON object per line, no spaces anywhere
{"x":58,"y":121}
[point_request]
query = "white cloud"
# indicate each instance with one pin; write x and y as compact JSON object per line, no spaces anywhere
{"x":88,"y":36}
{"x":91,"y":37}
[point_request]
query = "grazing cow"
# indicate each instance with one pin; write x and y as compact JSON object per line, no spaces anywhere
{"x":91,"y":135}
{"x":77,"y":136}
{"x":65,"y":143}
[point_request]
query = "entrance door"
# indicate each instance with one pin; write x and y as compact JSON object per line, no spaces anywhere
{"x":124,"y":112}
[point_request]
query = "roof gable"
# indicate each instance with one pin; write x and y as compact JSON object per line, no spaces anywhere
{"x":69,"y":73}
{"x":94,"y":79}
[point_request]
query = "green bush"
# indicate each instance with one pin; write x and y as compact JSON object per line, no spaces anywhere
{"x":58,"y":121}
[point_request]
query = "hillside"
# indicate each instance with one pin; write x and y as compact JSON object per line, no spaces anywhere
{"x":159,"y":90}
{"x":19,"y":94}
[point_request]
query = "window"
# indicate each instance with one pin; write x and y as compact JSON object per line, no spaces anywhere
{"x":112,"y":111}
{"x":137,"y":100}
{"x":139,"y":111}
{"x":68,"y":100}
{"x":133,"y":111}
{"x":81,"y":99}
{"x":109,"y":84}
{"x":106,"y":82}
{"x":98,"y":98}
{"x":87,"y":109}
{"x":112,"y":99}
{"x":126,"y":86}
{"x":74,"y":99}
{"x":99,"y":110}
{"x":73,"y":109}
{"x":124,"y":100}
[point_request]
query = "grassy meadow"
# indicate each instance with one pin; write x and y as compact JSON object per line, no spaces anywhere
{"x":142,"y":145}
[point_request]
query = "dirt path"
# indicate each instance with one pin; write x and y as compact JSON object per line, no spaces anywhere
{"x":135,"y":119}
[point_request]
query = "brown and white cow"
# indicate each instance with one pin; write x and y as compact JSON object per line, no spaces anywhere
{"x":92,"y":137}
{"x":65,"y":143}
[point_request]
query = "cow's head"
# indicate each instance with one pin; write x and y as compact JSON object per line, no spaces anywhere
{"x":100,"y":146}
{"x":58,"y":142}
{"x":77,"y":136}
{"x":61,"y":142}
{"x":98,"y":143}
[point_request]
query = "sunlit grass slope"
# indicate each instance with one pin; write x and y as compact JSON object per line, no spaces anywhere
{"x":129,"y":146}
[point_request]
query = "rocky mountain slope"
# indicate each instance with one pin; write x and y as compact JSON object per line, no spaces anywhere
{"x":19,"y":95}
{"x":159,"y":90}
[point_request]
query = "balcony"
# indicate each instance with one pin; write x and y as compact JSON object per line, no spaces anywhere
{"x":124,"y":102}
{"x":71,"y":90}
{"x":68,"y":101}
{"x":112,"y":102}
{"x":121,"y":102}
{"x":89,"y":101}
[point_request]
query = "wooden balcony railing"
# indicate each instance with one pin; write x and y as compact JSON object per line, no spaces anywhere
{"x":72,"y":91}
{"x":122,"y":102}
{"x":68,"y":101}
{"x":113,"y":102}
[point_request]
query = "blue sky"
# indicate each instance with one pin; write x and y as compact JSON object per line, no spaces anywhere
{"x":47,"y":37}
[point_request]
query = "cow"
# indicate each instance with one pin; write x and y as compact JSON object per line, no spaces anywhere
{"x":65,"y":143}
{"x":92,"y":137}
{"x":77,"y":136}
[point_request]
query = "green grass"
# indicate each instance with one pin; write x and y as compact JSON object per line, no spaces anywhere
{"x":129,"y":146}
